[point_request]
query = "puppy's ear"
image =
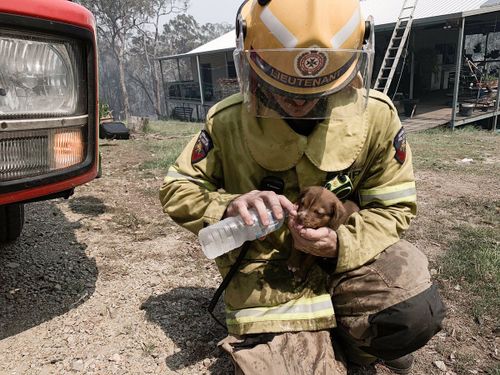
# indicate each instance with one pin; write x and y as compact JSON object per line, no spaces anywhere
{"x":303,"y":193}
{"x":339,"y":213}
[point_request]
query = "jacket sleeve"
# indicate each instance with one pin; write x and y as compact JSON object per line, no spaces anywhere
{"x":192,"y":193}
{"x":387,"y":197}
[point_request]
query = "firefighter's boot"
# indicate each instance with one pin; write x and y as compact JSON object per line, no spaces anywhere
{"x":401,"y":365}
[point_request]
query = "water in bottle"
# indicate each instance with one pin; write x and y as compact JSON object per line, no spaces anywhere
{"x":231,"y":233}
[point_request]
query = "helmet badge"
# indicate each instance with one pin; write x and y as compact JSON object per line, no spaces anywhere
{"x":311,"y":63}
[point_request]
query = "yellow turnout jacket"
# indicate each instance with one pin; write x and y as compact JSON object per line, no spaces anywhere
{"x":236,"y":151}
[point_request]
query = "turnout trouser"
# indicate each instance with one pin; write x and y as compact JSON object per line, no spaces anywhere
{"x":384,"y":309}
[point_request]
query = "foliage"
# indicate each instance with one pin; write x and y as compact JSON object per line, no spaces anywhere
{"x":453,"y":147}
{"x":473,"y":260}
{"x":176,"y":136}
{"x":174,"y":128}
{"x":183,"y":33}
{"x":495,"y":370}
{"x":211,"y":31}
{"x":165,"y":154}
{"x":469,"y":223}
{"x":116,"y":20}
{"x":131,"y":38}
{"x":104,"y":111}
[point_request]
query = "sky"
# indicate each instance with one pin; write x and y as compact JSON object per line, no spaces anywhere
{"x":214,"y":11}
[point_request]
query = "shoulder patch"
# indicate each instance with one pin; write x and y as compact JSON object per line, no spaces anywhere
{"x":202,"y":147}
{"x":400,"y":146}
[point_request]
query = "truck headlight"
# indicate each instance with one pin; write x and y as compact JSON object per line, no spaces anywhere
{"x":40,"y":77}
{"x":36,"y":152}
{"x":44,"y":116}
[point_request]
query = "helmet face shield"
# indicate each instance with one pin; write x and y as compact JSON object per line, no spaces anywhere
{"x":303,"y":59}
{"x":304,"y":83}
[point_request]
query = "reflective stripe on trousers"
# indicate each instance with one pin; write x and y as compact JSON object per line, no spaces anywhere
{"x":299,"y":309}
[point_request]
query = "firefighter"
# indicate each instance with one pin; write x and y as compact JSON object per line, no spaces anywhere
{"x":305,"y":116}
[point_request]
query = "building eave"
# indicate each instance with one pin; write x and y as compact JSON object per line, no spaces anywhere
{"x":189,"y":54}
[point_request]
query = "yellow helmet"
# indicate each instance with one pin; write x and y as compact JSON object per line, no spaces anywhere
{"x":303,"y":47}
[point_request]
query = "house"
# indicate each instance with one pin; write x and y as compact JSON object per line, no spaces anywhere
{"x":196,"y":80}
{"x":445,"y":84}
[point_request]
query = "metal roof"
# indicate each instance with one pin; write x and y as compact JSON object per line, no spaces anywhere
{"x":490,"y":3}
{"x":226,"y":41}
{"x":384,"y":12}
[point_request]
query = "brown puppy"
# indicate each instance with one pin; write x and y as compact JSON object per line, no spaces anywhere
{"x":317,"y":208}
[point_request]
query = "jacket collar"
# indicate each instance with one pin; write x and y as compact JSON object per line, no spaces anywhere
{"x":333,"y":146}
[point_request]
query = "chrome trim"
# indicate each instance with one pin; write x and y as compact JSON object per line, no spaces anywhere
{"x":36,"y":124}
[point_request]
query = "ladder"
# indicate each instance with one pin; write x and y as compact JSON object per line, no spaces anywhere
{"x":396,"y":46}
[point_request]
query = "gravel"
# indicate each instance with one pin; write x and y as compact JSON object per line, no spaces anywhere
{"x":105,"y":283}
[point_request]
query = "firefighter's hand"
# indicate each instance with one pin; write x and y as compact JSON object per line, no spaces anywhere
{"x":260,"y":201}
{"x":321,"y":242}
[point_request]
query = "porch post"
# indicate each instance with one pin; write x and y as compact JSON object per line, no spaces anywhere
{"x":461,"y":32}
{"x":412,"y":74}
{"x":225,"y":61}
{"x":497,"y":105}
{"x":163,"y":87}
{"x":178,"y":69}
{"x":200,"y":83}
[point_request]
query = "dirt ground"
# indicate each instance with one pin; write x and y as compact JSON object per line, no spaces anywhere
{"x":105,"y":283}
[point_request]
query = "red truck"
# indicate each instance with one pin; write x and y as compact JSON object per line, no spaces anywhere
{"x":48,"y":104}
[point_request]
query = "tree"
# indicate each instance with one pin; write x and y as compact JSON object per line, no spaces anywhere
{"x":119,"y":20}
{"x":210,"y":31}
{"x":148,"y":46}
{"x":115,"y":21}
{"x":181,"y":34}
{"x":131,"y":39}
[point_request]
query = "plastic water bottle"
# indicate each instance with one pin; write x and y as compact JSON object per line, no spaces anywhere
{"x":231,"y":233}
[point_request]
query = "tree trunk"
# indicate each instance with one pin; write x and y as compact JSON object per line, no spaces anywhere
{"x":154,"y":70}
{"x":123,"y":85}
{"x":157,"y":82}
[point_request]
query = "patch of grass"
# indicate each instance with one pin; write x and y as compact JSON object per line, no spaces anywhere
{"x":443,"y":150}
{"x":173,"y":128}
{"x":495,"y":370}
{"x":165,"y":153}
{"x":148,"y":349}
{"x":126,"y":219}
{"x":465,"y":362}
{"x":473,"y":261}
{"x":479,"y":210}
{"x":151,"y":191}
